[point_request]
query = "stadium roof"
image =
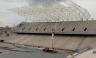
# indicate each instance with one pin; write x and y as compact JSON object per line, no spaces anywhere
{"x":54,"y":13}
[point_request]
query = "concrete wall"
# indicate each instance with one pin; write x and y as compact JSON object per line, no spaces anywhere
{"x":85,"y":27}
{"x":60,"y":42}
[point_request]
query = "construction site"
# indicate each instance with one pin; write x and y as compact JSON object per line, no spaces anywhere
{"x":68,"y":30}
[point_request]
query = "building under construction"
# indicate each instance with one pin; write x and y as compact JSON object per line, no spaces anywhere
{"x":74,"y":30}
{"x":68,"y":35}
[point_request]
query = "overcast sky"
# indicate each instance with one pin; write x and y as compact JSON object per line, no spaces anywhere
{"x":9,"y":18}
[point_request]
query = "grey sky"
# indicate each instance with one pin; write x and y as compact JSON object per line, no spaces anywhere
{"x":36,"y":2}
{"x":9,"y":18}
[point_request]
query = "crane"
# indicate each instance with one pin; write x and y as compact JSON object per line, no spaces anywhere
{"x":51,"y":49}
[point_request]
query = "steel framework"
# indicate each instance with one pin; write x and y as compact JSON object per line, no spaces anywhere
{"x":54,"y":13}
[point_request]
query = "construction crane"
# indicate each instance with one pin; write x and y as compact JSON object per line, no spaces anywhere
{"x":51,"y":49}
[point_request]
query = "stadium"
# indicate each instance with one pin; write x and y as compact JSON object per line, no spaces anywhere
{"x":69,"y":29}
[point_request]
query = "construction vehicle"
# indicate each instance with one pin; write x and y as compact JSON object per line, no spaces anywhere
{"x":51,"y":49}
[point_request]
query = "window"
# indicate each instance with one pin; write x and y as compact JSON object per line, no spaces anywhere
{"x":37,"y":29}
{"x":30,"y":29}
{"x":63,"y":29}
{"x":85,"y":29}
{"x":44,"y":29}
{"x":73,"y":29}
{"x":23,"y":28}
{"x":52,"y":29}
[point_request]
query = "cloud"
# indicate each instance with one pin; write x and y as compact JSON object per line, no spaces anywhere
{"x":6,"y":16}
{"x":11,"y":20}
{"x":43,"y":2}
{"x":89,"y":5}
{"x":14,"y":0}
{"x":3,"y":22}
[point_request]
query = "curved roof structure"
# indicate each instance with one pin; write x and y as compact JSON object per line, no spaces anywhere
{"x":54,"y":13}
